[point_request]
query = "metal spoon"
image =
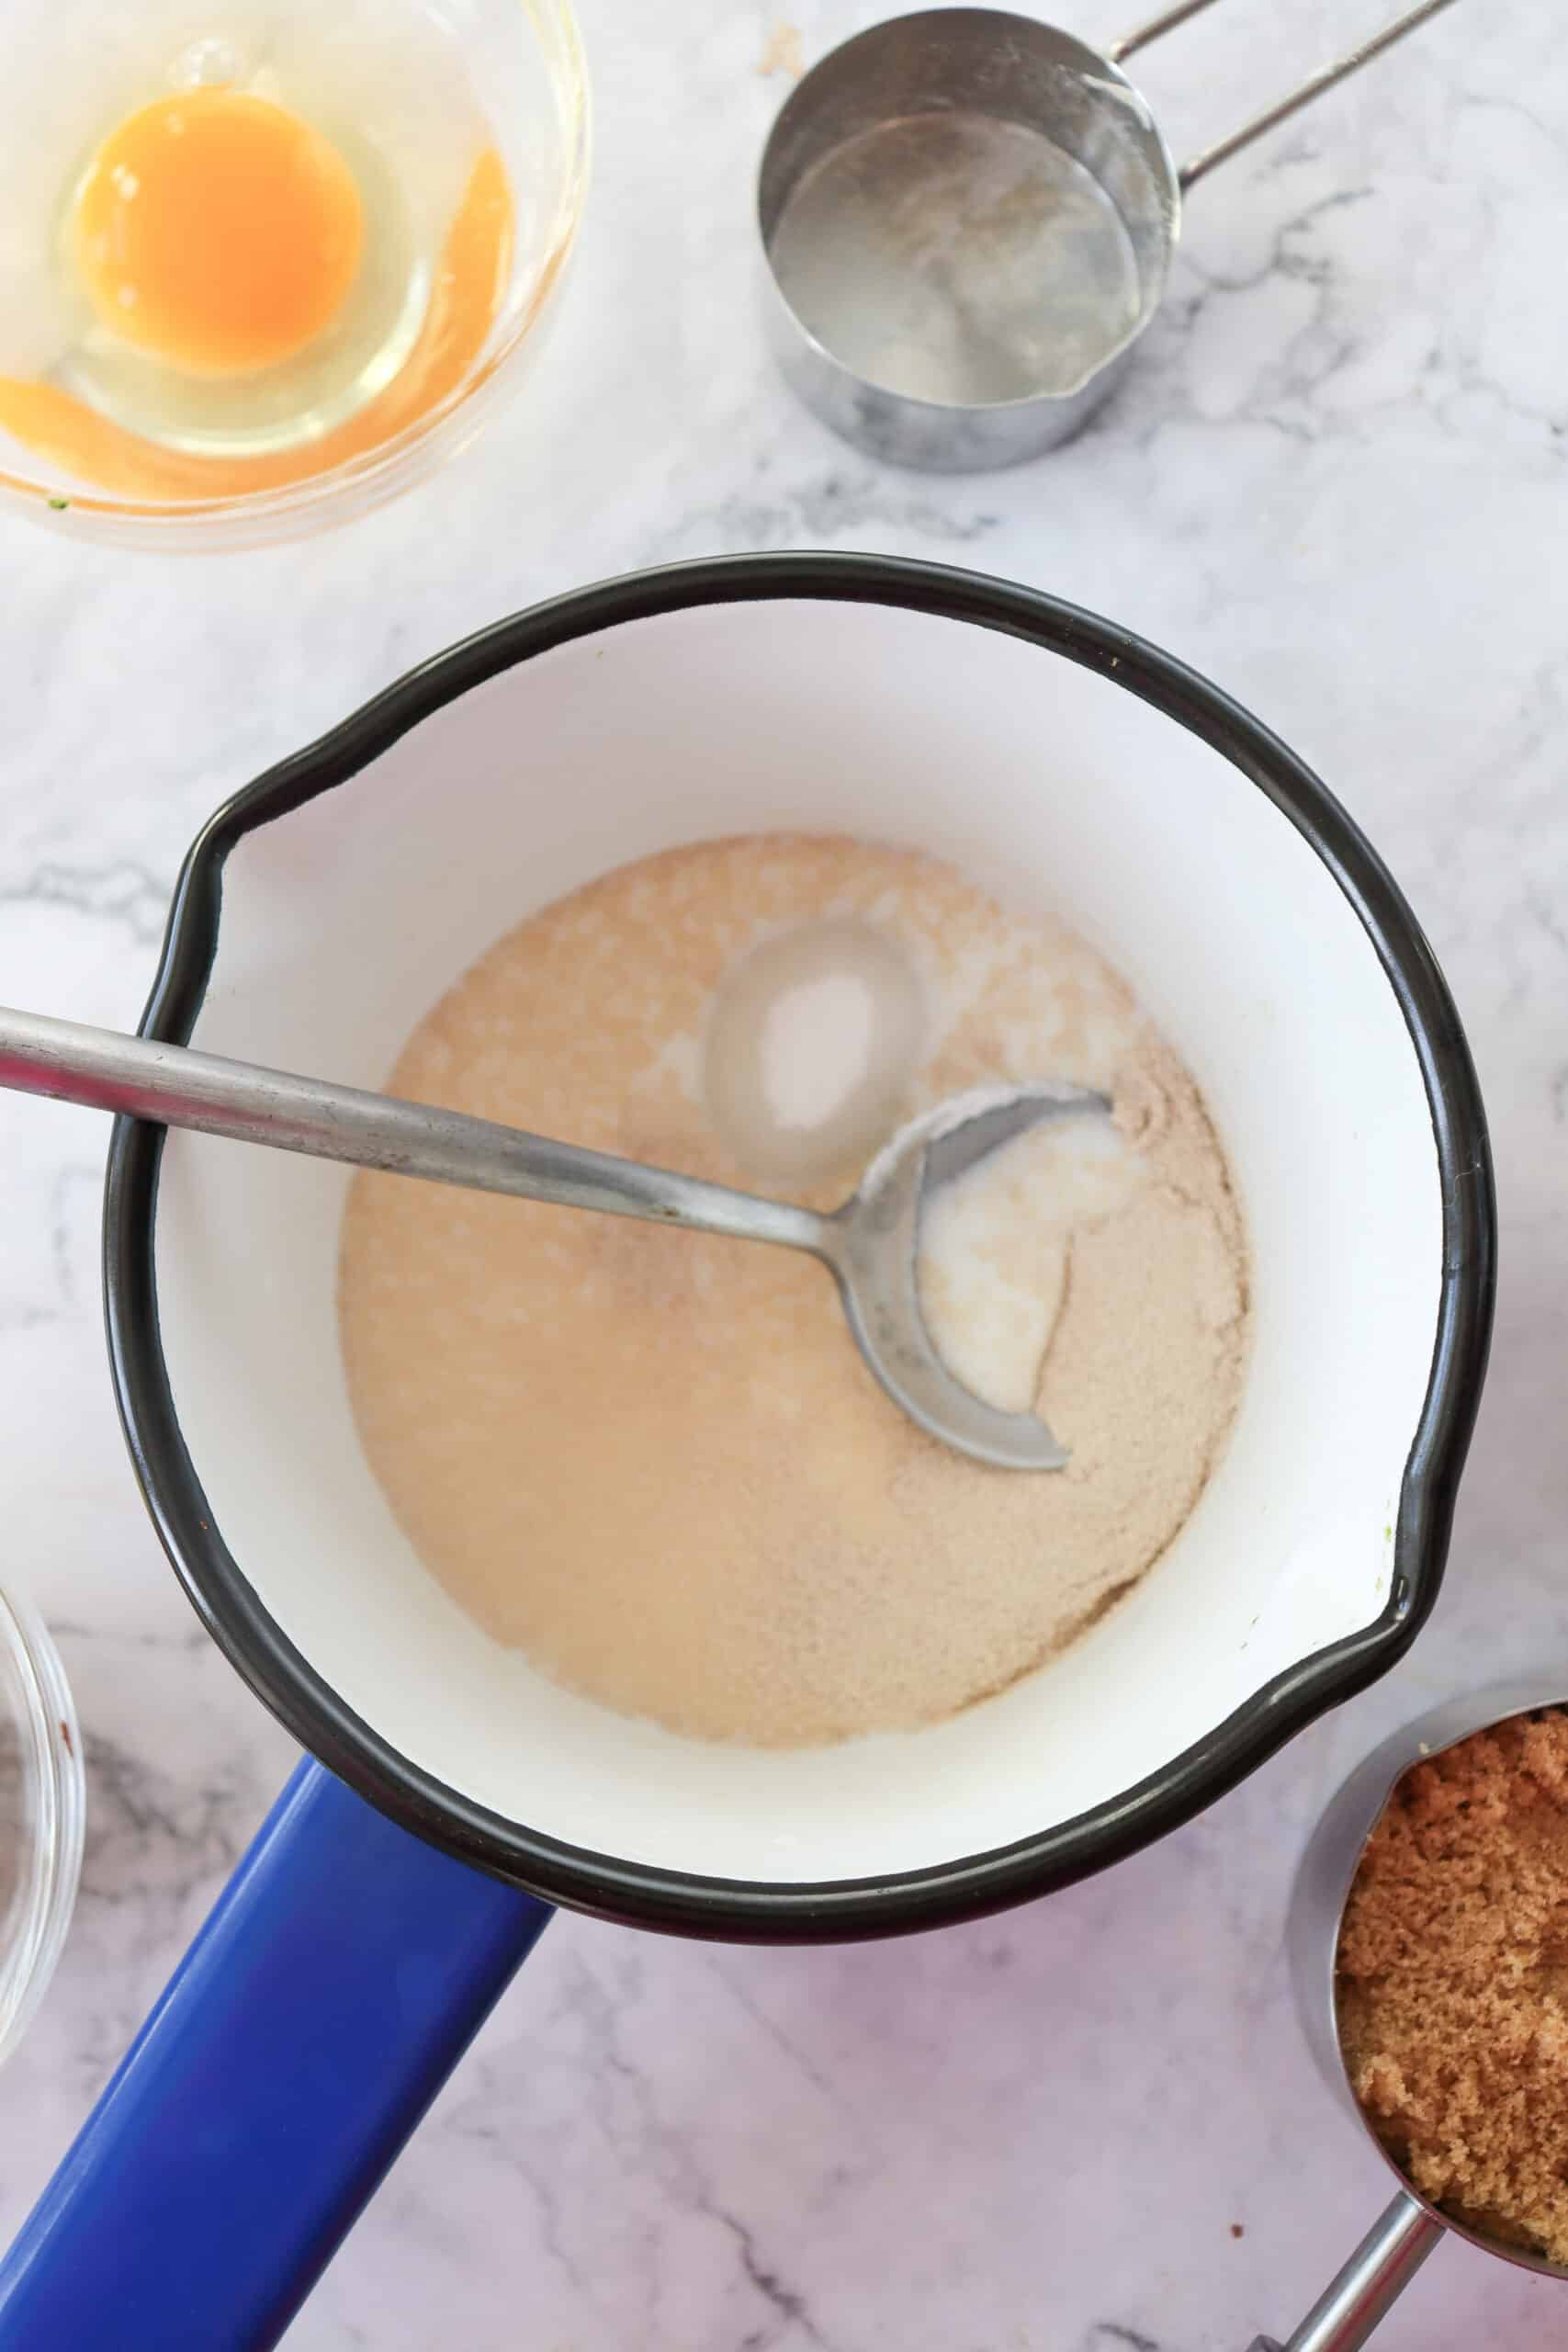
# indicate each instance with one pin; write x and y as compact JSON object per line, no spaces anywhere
{"x":869,"y":1246}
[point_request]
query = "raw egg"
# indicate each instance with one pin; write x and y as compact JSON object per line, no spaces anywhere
{"x":469,"y":287}
{"x":218,"y":232}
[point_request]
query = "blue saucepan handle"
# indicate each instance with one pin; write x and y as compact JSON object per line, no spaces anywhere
{"x":339,"y":1978}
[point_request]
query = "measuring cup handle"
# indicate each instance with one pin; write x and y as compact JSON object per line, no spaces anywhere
{"x":1365,"y":2290}
{"x":1312,"y":88}
{"x":338,"y":1979}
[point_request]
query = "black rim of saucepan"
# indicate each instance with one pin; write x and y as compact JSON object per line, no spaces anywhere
{"x":681,"y":1902}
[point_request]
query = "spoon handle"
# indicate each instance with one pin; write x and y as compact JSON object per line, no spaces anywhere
{"x":138,"y":1078}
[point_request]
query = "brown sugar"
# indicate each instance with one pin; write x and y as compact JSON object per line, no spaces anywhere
{"x":1452,"y":1980}
{"x":653,"y":1462}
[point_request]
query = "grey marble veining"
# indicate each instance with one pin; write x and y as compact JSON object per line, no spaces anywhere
{"x":1337,"y":481}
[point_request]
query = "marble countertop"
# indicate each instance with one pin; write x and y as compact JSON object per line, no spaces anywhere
{"x":1336,"y":482}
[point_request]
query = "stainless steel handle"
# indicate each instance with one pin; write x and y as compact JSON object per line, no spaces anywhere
{"x":1312,"y":88}
{"x":137,"y":1078}
{"x":1361,"y":2296}
{"x":1155,"y":29}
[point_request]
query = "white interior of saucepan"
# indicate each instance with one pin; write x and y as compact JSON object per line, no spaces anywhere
{"x":1053,"y":788}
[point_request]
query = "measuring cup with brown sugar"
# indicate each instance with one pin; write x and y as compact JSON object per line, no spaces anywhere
{"x":1405,"y":1957}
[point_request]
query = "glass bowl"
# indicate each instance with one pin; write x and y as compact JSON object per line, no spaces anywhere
{"x":525,"y":61}
{"x":42,"y":1809}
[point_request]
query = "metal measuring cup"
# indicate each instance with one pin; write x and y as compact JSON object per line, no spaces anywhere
{"x":942,"y":291}
{"x":1399,"y":2242}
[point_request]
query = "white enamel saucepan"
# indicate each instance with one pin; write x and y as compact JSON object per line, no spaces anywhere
{"x":1064,"y":765}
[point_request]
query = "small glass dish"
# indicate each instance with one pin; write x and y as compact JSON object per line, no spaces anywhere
{"x":42,"y":1811}
{"x":525,"y":62}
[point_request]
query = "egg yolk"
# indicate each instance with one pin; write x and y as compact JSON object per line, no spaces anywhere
{"x":470,"y":285}
{"x":218,"y":232}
